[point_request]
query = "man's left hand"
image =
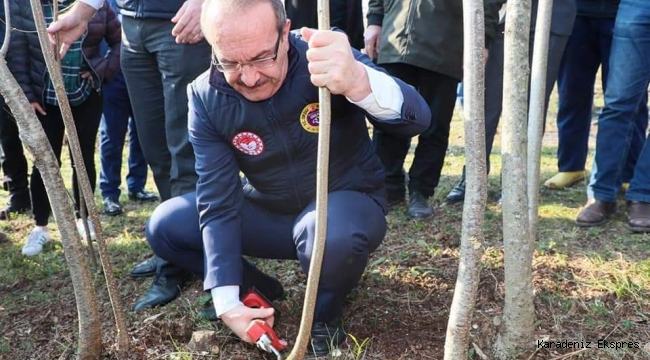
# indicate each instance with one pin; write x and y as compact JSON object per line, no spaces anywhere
{"x":333,"y":66}
{"x":188,"y":23}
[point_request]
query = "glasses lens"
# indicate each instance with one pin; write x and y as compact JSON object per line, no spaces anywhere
{"x":262,"y":63}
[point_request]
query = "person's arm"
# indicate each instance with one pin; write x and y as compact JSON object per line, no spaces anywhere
{"x":18,"y":56}
{"x":113,"y":37}
{"x":345,"y":71}
{"x":72,"y":24}
{"x":219,"y":197}
{"x":491,"y":14}
{"x":372,"y":34}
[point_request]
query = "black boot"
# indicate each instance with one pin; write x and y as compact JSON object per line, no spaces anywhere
{"x":19,"y":203}
{"x":418,"y":206}
{"x":326,"y":336}
{"x":167,"y":285}
{"x":457,"y":194}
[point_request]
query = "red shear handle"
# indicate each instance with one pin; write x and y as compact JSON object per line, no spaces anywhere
{"x":258,"y":328}
{"x":253,"y":299}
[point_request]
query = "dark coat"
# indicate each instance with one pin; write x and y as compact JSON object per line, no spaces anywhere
{"x":274,"y":144}
{"x":25,"y":58}
{"x":598,"y":8}
{"x":154,"y":9}
{"x":346,"y":15}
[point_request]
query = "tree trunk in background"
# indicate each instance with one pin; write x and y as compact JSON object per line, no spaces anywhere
{"x":537,"y":115}
{"x":34,"y":139}
{"x":82,"y":176}
{"x":519,"y":311}
{"x":472,"y":237}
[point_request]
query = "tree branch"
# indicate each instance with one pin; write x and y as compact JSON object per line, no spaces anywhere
{"x":5,"y":43}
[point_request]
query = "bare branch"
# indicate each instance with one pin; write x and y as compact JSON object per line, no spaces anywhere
{"x":5,"y":43}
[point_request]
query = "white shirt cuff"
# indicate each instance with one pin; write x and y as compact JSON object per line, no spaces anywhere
{"x":225,"y":298}
{"x":94,"y":3}
{"x":386,"y":99}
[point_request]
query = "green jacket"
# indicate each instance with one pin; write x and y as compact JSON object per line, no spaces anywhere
{"x":425,"y":33}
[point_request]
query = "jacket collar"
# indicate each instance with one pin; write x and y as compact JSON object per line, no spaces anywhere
{"x":297,"y":49}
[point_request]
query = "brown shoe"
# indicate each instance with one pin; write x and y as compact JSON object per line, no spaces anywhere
{"x":595,"y":213}
{"x":638,"y":216}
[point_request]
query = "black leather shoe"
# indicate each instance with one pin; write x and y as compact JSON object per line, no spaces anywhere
{"x":418,"y":206}
{"x":112,"y":207}
{"x":166,"y":287}
{"x":143,"y":196}
{"x":325,"y":337}
{"x":14,"y":208}
{"x":145,"y":268}
{"x":457,"y":194}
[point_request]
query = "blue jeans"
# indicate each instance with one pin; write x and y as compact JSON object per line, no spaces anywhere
{"x":118,"y":116}
{"x":588,"y":48}
{"x":627,"y":83}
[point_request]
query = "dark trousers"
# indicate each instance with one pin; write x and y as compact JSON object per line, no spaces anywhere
{"x":86,"y":119}
{"x":157,"y":72}
{"x":118,"y":117}
{"x":14,"y":163}
{"x":356,"y":227}
{"x":494,"y":81}
{"x":587,"y":49}
{"x":439,"y":91}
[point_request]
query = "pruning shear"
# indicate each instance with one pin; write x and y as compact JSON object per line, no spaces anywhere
{"x":259,"y":331}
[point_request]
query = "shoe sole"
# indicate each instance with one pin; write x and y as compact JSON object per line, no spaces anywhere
{"x":568,"y":185}
{"x":454,"y":200}
{"x":638,"y":229}
{"x":142,"y":275}
{"x":589,"y":225}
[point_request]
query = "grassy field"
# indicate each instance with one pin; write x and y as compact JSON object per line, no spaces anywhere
{"x":590,"y":284}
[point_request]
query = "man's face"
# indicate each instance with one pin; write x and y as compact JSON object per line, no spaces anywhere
{"x":252,"y":52}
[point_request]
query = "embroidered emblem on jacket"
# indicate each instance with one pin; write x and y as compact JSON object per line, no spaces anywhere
{"x":249,"y":143}
{"x":309,"y":118}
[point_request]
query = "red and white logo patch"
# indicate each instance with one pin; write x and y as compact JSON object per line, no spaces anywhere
{"x":249,"y":143}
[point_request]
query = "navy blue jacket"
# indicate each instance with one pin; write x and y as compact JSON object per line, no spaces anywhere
{"x":274,"y":144}
{"x":156,"y":9}
{"x":598,"y":8}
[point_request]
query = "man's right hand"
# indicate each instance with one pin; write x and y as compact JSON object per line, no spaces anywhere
{"x":70,"y":26}
{"x":371,"y":38}
{"x":38,"y":108}
{"x":239,"y":318}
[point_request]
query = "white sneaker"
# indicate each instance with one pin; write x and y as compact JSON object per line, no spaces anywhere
{"x":82,"y":230}
{"x":35,"y":241}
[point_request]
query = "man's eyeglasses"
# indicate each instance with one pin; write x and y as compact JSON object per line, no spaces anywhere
{"x":231,"y":67}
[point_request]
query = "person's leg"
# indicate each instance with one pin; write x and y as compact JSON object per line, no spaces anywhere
{"x":356,"y":226}
{"x":264,"y":235}
{"x":86,"y":119}
{"x":575,"y":83}
{"x":391,"y":149}
{"x":627,"y":83}
{"x":493,"y":103}
{"x":145,"y":87}
{"x":637,"y":143}
{"x":53,"y":127}
{"x":111,"y":134}
{"x":136,"y":179}
{"x":438,"y":91}
{"x":14,"y":164}
{"x":177,"y":72}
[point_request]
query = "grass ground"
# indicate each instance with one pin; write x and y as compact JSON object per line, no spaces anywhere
{"x":590,"y":284}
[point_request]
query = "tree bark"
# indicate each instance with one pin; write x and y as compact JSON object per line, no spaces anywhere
{"x":84,"y":184}
{"x":472,"y":237}
{"x":34,"y":139}
{"x":537,"y":115}
{"x":518,"y":312}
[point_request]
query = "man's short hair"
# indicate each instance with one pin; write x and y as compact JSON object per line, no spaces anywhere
{"x":235,"y":6}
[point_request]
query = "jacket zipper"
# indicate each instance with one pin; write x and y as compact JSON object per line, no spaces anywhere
{"x":409,"y":18}
{"x":277,"y":129}
{"x":99,"y":80}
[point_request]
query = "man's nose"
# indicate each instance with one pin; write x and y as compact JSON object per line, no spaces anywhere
{"x":249,"y":76}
